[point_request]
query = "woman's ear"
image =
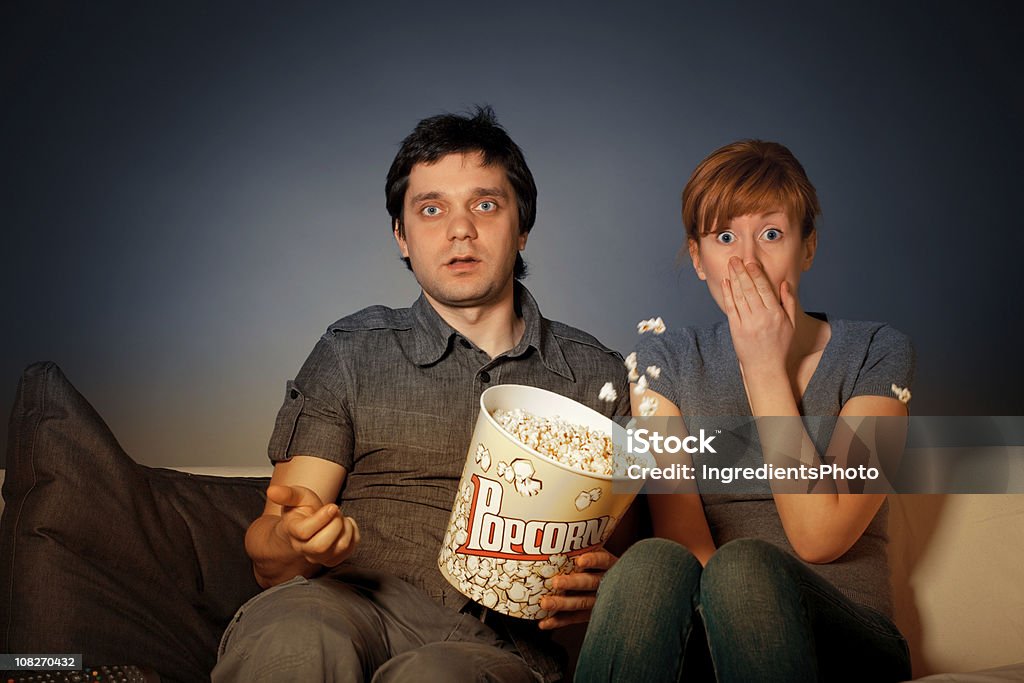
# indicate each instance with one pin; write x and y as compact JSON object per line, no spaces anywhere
{"x":694,"y":248}
{"x":810,"y":247}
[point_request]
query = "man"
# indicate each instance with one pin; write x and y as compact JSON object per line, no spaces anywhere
{"x":371,"y":440}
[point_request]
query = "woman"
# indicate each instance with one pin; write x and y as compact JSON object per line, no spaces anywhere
{"x":770,"y":585}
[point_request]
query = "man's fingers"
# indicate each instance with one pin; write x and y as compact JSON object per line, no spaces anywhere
{"x":568,"y":603}
{"x":575,"y":606}
{"x":578,"y":581}
{"x":346,"y":542}
{"x":565,"y":619}
{"x":596,"y":559}
{"x":566,"y":609}
{"x":347,"y":533}
{"x":322,"y":540}
{"x":305,"y":528}
{"x":294,"y":496}
{"x":350,"y":524}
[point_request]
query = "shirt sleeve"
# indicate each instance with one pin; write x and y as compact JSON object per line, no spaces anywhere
{"x":890,"y":360}
{"x":315,"y":419}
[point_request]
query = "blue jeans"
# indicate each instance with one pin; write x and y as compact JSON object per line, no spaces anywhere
{"x":754,"y":613}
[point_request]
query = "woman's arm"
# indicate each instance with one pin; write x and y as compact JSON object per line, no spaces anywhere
{"x":680,"y":516}
{"x":821,"y":527}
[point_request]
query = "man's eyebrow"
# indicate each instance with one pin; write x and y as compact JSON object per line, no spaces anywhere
{"x":492,"y":191}
{"x":426,"y":195}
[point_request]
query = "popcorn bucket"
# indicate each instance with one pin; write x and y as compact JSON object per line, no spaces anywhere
{"x":521,"y":517}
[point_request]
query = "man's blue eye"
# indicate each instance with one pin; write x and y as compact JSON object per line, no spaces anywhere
{"x":725,"y":237}
{"x":487,"y":206}
{"x":771,"y":234}
{"x":431,"y":211}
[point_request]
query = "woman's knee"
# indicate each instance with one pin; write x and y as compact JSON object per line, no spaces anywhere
{"x":744,"y":569}
{"x":643,"y":615}
{"x":748,"y":550}
{"x":653,"y":565}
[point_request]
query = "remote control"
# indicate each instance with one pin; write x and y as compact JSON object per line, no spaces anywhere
{"x":91,"y":674}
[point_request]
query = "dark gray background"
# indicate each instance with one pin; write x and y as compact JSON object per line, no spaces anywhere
{"x":192,"y":192}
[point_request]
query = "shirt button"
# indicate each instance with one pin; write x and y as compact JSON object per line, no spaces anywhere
{"x":485,"y":376}
{"x":294,"y":394}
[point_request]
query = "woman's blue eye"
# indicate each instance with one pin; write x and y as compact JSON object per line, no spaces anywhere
{"x":725,"y":238}
{"x":771,"y":234}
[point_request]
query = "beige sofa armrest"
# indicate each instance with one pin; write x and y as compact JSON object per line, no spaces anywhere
{"x":958,"y":597}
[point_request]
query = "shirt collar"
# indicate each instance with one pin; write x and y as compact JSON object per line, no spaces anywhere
{"x":433,"y":338}
{"x":432,"y":335}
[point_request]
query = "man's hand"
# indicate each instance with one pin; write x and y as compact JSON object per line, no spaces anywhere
{"x":580,"y":590}
{"x":317,"y":532}
{"x":762,"y":324}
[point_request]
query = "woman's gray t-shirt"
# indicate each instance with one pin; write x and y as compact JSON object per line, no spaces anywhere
{"x":701,"y":375}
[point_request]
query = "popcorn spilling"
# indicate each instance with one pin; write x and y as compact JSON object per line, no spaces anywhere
{"x":648,"y":406}
{"x":631,"y":366}
{"x":608,"y":393}
{"x":902,"y":393}
{"x":573,"y":445}
{"x":655,"y":325}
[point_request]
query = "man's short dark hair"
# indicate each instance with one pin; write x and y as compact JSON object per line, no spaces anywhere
{"x":479,"y":131}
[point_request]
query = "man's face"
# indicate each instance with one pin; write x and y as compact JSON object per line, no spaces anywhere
{"x":772,"y":239}
{"x":461,"y":230}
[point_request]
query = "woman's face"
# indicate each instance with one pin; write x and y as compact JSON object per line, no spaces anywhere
{"x":771,"y":239}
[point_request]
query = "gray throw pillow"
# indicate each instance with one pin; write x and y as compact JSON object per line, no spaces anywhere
{"x":123,"y":563}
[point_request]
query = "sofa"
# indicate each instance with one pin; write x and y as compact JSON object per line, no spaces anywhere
{"x":100,"y":556}
{"x":132,"y":564}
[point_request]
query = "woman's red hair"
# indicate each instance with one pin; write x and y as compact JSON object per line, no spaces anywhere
{"x":749,"y":176}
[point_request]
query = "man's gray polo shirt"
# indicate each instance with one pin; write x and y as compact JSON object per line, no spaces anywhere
{"x":392,"y":395}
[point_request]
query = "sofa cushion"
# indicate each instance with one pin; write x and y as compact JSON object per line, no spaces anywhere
{"x":102,"y":556}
